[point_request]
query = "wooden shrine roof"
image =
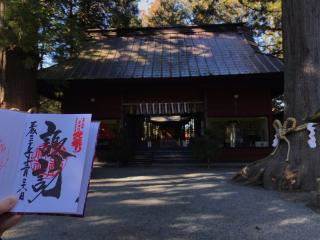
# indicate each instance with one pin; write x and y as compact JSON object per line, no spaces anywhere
{"x":171,"y":52}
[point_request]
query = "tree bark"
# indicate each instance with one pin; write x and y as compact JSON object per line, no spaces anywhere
{"x":21,"y":88}
{"x":301,"y":24}
{"x":17,"y":80}
{"x":2,"y":75}
{"x":301,"y":29}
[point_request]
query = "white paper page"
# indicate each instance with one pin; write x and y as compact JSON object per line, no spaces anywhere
{"x":88,"y":166}
{"x":11,"y":131}
{"x":49,"y":178}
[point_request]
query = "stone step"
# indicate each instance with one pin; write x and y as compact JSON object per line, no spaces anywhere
{"x":164,"y":156}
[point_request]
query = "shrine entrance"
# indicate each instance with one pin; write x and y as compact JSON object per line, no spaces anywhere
{"x":170,"y":125}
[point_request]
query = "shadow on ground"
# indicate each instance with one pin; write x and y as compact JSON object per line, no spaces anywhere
{"x":175,"y":204}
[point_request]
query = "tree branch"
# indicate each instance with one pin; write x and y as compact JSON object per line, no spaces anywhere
{"x":258,"y":10}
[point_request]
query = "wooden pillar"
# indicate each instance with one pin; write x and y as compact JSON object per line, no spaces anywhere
{"x":270,"y":120}
{"x":122,"y":123}
{"x":205,"y":103}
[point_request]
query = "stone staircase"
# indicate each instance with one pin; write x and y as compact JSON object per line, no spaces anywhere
{"x":160,"y":156}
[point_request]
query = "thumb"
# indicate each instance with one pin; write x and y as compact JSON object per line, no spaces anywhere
{"x":7,"y":203}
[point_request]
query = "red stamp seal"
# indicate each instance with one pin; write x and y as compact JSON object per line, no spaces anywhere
{"x":4,"y":155}
{"x":77,"y":136}
{"x":47,"y":163}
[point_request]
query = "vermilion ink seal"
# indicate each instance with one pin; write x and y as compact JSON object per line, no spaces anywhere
{"x":45,"y":164}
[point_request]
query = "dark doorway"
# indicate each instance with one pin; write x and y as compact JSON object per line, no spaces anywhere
{"x":167,"y":131}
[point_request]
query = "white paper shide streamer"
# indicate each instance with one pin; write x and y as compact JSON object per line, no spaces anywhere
{"x":275,"y":142}
{"x":312,"y":140}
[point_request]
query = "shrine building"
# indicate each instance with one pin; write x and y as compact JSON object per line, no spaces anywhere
{"x":166,"y":85}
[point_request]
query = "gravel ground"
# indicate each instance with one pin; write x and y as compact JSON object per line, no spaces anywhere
{"x":177,"y":204}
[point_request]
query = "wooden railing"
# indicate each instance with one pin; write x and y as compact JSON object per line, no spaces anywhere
{"x":163,"y":108}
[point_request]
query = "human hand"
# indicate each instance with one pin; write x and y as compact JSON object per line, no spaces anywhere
{"x":7,"y":220}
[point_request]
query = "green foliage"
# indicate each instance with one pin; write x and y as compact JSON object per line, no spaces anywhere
{"x":57,"y":28}
{"x":262,"y":16}
{"x":123,"y":13}
{"x":204,"y":12}
{"x":207,"y":147}
{"x":168,"y":13}
{"x":69,"y":20}
{"x":49,"y":106}
{"x":216,"y":11}
{"x":20,"y":26}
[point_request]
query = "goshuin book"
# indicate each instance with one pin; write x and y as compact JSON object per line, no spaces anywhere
{"x":46,"y":161}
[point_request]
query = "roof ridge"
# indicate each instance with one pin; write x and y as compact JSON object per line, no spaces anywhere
{"x":234,"y":27}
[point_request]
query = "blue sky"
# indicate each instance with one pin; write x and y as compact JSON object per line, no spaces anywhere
{"x":144,"y":4}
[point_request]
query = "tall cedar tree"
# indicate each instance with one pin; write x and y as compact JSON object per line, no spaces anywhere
{"x":19,"y":56}
{"x":301,"y":24}
{"x":31,"y":30}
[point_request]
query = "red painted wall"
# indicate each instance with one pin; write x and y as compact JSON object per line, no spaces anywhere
{"x":250,"y":102}
{"x":254,"y":100}
{"x":106,"y":105}
{"x":163,"y":93}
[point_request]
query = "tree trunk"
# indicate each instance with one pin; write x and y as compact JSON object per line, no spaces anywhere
{"x":21,"y":88}
{"x":17,"y":79}
{"x":301,"y":28}
{"x":2,"y":75}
